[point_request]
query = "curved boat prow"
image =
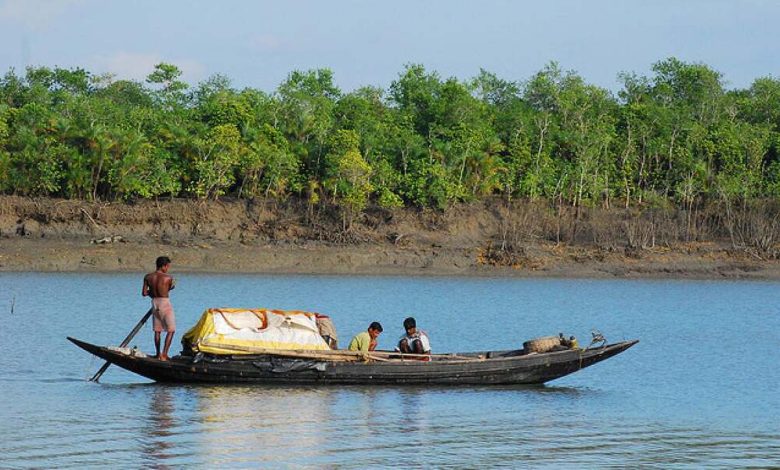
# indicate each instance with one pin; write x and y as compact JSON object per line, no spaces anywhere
{"x":597,"y":354}
{"x":90,"y":348}
{"x":622,"y":346}
{"x":110,"y":354}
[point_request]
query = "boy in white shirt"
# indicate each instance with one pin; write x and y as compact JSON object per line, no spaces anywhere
{"x":414,"y":341}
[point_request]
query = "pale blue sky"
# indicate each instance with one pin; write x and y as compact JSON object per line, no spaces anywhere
{"x":257,"y":43}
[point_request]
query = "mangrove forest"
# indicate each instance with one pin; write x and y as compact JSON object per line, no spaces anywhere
{"x":677,"y":137}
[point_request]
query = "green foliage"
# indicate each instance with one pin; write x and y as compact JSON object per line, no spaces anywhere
{"x":674,"y":136}
{"x":268,"y":166}
{"x":304,"y":114}
{"x":219,"y":153}
{"x":167,"y":76}
{"x":35,"y":163}
{"x":388,"y":199}
{"x":386,"y":180}
{"x":348,"y":174}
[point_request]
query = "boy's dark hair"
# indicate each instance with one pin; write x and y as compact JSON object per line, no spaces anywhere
{"x":162,"y":261}
{"x":375,"y":326}
{"x":410,"y":323}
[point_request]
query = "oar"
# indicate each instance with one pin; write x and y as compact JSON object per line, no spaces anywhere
{"x":127,"y":340}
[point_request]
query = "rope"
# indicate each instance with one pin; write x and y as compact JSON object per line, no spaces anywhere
{"x":597,"y":338}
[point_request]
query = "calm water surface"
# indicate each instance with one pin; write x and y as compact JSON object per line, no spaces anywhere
{"x":702,"y":388}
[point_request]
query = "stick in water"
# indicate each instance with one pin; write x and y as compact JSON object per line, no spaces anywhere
{"x":127,"y":340}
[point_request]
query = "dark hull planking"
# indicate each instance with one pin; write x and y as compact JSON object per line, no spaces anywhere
{"x":502,"y":368}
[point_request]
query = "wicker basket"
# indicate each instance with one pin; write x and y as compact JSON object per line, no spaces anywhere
{"x":541,"y":345}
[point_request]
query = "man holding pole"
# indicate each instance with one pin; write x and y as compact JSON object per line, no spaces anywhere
{"x":157,"y":285}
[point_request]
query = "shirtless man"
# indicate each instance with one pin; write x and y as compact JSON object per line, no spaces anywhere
{"x":157,"y":285}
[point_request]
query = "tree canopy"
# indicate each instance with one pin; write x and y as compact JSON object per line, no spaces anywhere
{"x":677,"y":136}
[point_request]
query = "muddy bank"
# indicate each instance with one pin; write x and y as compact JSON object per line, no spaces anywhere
{"x":236,"y":236}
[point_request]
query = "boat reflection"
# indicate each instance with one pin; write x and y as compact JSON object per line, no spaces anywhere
{"x":271,"y":425}
{"x":240,"y":425}
{"x":237,"y":425}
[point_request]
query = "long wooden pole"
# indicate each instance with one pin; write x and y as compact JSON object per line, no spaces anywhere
{"x":126,"y":341}
{"x":303,"y":354}
{"x":345,"y":355}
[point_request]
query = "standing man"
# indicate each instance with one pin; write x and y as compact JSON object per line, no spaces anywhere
{"x":157,"y":285}
{"x":414,"y":341}
{"x":366,"y":341}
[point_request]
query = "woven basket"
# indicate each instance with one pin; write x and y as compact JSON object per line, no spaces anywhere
{"x":541,"y":345}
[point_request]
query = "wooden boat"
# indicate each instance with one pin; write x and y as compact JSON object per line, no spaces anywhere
{"x":348,"y":368}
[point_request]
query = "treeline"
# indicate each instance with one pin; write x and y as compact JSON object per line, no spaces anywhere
{"x":677,"y":137}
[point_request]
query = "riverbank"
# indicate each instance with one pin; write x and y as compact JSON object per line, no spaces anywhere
{"x":551,"y":261}
{"x":238,"y":237}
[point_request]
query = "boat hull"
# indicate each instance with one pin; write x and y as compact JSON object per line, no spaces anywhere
{"x":502,"y":368}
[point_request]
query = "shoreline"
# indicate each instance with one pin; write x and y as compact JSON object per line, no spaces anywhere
{"x":76,"y":256}
{"x":477,"y":240}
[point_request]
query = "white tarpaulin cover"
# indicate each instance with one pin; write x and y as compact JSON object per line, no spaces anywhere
{"x":247,"y":331}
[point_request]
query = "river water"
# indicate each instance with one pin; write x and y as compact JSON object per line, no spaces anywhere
{"x":701,"y":389}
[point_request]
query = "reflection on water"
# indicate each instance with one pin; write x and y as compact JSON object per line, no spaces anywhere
{"x":160,"y":426}
{"x":238,"y":426}
{"x":254,"y":421}
{"x":671,"y":401}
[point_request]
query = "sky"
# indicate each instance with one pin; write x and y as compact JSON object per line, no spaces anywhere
{"x":258,"y":43}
